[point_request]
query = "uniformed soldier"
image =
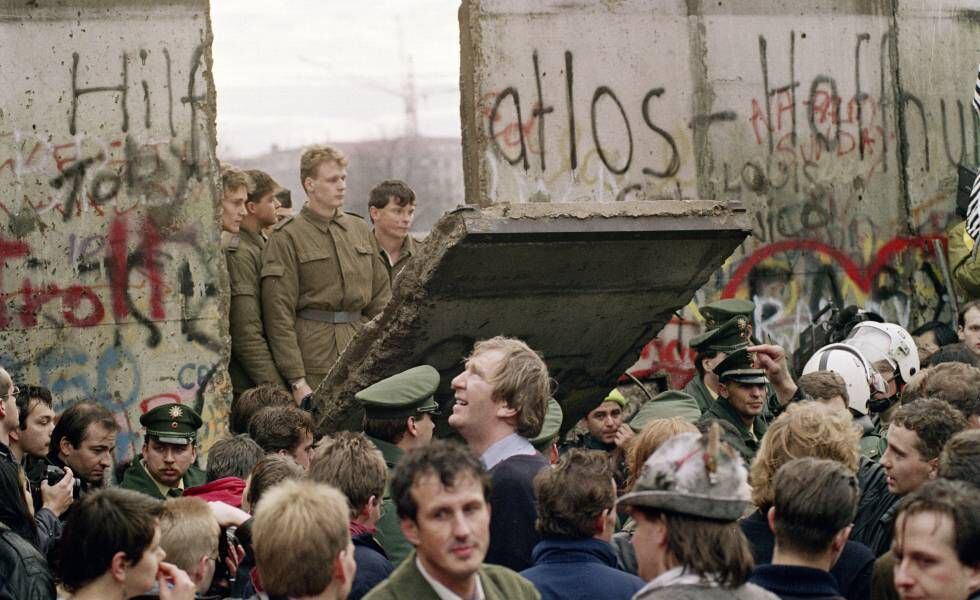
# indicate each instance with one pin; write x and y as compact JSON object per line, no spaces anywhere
{"x":251,"y":362}
{"x":392,"y":210}
{"x":720,"y":312}
{"x":545,"y":441}
{"x":322,"y":278}
{"x":742,"y":398}
{"x":666,"y":405}
{"x":398,"y":418}
{"x":713,"y":346}
{"x":166,"y":466}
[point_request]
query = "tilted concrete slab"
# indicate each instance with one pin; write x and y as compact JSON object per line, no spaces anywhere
{"x":587,"y":285}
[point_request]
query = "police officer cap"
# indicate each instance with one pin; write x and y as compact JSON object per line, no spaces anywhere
{"x":401,"y":395}
{"x":552,"y":423}
{"x":665,"y":405}
{"x":172,"y":423}
{"x":738,"y":366}
{"x":693,"y":474}
{"x":721,"y":311}
{"x":733,"y":334}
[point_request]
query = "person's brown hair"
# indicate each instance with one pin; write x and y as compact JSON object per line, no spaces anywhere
{"x":233,"y":457}
{"x":391,"y":190}
{"x":262,"y":184}
{"x":955,"y":382}
{"x":101,"y":524}
{"x":707,"y":547}
{"x":354,"y":466}
{"x":268,"y":472}
{"x":957,"y":500}
{"x":188,"y":531}
{"x":807,"y":429}
{"x":73,"y":424}
{"x":572,"y":495}
{"x":447,"y":460}
{"x":278,"y":428}
{"x":824,"y":385}
{"x":645,"y":443}
{"x":933,"y":420}
{"x":300,"y":528}
{"x":521,"y":382}
{"x":251,"y":401}
{"x":814,"y":500}
{"x":312,"y":159}
{"x":960,"y":458}
{"x":965,"y":308}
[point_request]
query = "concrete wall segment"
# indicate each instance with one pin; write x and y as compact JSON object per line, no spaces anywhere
{"x":113,"y":282}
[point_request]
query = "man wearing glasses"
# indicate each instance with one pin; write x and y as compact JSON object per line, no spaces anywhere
{"x":398,"y":418}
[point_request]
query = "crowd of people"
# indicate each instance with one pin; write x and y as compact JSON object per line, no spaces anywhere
{"x":855,"y":478}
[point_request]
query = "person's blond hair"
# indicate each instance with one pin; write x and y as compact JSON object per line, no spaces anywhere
{"x":521,"y":381}
{"x":299,"y":530}
{"x":805,"y":429}
{"x":314,"y":157}
{"x":645,"y":443}
{"x":188,"y":532}
{"x":232,"y":179}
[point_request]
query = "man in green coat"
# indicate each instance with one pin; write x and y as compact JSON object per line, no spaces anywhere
{"x":713,"y":346}
{"x":166,"y":468}
{"x":442,"y":493}
{"x":398,"y":418}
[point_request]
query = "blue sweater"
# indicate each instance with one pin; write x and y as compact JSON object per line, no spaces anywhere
{"x":579,"y":569}
{"x":372,"y":565}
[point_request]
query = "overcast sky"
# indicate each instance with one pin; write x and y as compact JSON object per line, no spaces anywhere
{"x":295,"y":72}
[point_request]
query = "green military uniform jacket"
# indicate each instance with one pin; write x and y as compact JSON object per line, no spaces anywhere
{"x":389,"y":533}
{"x":721,"y":409}
{"x":697,"y":390}
{"x":408,"y":249}
{"x":251,"y":360}
{"x":139,"y":480}
{"x":407,"y":583}
{"x":324,"y":264}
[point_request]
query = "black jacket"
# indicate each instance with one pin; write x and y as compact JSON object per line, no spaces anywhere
{"x":373,"y":566}
{"x":24,"y":574}
{"x":876,"y":508}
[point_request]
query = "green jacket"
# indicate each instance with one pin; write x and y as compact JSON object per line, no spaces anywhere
{"x":137,"y":479}
{"x":407,"y":583}
{"x":408,"y":250}
{"x":722,"y":410}
{"x":322,"y":264}
{"x":965,"y":270}
{"x":389,"y":533}
{"x":251,"y":361}
{"x":696,"y":389}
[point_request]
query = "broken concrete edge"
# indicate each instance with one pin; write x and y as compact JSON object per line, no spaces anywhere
{"x":334,"y":405}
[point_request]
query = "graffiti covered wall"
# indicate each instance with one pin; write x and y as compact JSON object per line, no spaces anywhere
{"x":110,"y":264}
{"x":838,"y":125}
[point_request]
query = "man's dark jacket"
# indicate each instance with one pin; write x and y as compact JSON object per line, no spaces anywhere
{"x":373,"y":566}
{"x":579,"y":569}
{"x":852,"y":571}
{"x":513,"y":511}
{"x":24,"y":574}
{"x":876,"y":508}
{"x":796,"y":583}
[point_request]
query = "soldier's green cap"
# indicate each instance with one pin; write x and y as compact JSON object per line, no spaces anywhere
{"x":549,"y":430}
{"x":721,"y":311}
{"x":172,"y":423}
{"x":665,"y":405}
{"x":733,"y":334}
{"x":401,"y":395}
{"x":738,"y":366}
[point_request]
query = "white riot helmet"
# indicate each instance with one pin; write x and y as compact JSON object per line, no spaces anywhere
{"x":847,"y":361}
{"x":889,"y":339}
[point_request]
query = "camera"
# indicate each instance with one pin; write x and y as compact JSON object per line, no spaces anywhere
{"x":55,"y":474}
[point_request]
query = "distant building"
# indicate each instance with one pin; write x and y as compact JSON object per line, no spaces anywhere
{"x":433,"y":167}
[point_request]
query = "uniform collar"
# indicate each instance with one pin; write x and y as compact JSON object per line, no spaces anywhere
{"x":322,"y":223}
{"x":253,"y":237}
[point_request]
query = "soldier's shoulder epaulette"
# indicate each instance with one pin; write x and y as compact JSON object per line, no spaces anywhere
{"x":354,"y":215}
{"x":283,"y":223}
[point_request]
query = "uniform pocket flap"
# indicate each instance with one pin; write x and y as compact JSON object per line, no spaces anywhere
{"x":311,"y":254}
{"x":363,"y":250}
{"x":272,"y":270}
{"x":243,"y":289}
